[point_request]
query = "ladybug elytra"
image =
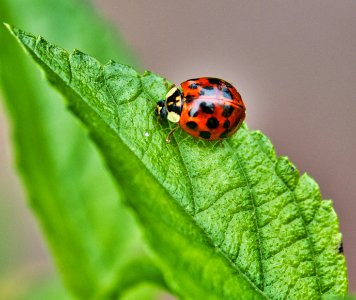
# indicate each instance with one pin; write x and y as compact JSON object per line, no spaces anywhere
{"x":206,"y":107}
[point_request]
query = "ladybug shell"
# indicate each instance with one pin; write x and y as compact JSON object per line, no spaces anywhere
{"x":212,"y":109}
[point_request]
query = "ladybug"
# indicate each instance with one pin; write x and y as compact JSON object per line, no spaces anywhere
{"x":207,"y":108}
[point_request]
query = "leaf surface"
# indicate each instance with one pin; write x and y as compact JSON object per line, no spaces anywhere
{"x":223,"y":220}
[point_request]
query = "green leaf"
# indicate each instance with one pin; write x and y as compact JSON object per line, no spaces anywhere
{"x":223,"y":221}
{"x":90,"y":234}
{"x":135,"y":272}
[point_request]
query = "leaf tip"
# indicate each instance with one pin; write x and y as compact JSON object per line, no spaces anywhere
{"x":10,"y":28}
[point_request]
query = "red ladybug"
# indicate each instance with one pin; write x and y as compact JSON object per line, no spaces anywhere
{"x":207,"y":108}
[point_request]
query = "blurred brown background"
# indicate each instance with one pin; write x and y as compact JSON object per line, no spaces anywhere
{"x":294,"y":63}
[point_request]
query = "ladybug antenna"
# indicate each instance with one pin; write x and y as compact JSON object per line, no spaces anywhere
{"x":168,"y":138}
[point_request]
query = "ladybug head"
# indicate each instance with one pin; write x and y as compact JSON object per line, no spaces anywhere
{"x":171,"y":108}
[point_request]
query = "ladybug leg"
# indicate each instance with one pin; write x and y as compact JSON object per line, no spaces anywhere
{"x":168,"y":138}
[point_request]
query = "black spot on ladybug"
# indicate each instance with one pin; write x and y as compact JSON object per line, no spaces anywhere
{"x":214,"y":81}
{"x":192,"y":125}
{"x":193,"y":112}
{"x":205,"y":134}
{"x":228,"y":109}
{"x":189,"y":98}
{"x":226,"y":93}
{"x":208,"y":87}
{"x":212,"y":123}
{"x":202,"y":93}
{"x":340,"y":249}
{"x":224,"y":134}
{"x":207,"y":108}
{"x":193,"y":86}
{"x":226,"y":124}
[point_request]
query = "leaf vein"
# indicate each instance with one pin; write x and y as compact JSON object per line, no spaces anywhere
{"x":253,"y":202}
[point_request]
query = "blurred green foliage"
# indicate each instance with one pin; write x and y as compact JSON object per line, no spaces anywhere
{"x":89,"y":232}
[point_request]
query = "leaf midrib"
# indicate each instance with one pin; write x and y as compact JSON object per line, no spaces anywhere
{"x":253,"y":201}
{"x":189,"y":177}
